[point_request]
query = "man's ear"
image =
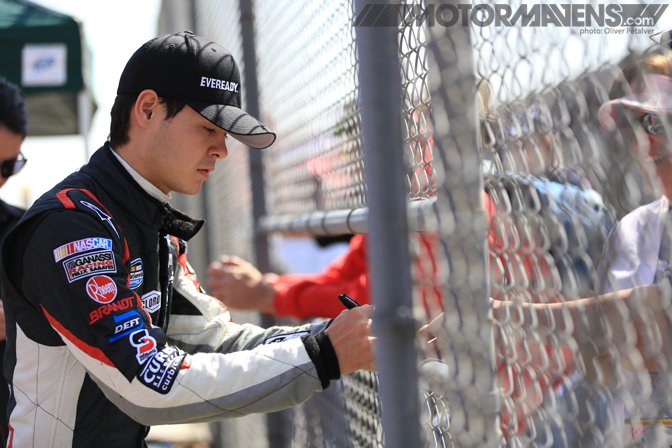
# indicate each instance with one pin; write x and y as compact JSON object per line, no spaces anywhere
{"x":145,"y":111}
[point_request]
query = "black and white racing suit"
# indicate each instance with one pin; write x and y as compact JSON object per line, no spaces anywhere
{"x":108,"y":330}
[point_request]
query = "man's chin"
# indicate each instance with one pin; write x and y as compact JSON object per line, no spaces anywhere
{"x":192,"y":189}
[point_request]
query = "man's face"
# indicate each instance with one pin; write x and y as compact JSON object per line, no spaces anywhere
{"x":10,"y":147}
{"x":184,"y":152}
{"x":653,"y":153}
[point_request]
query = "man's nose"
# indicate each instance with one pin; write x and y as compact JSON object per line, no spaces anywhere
{"x":219,"y":150}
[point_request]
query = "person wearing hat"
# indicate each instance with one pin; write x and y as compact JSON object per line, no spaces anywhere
{"x":640,"y":108}
{"x":108,"y":330}
{"x":638,"y":251}
{"x":13,"y":130}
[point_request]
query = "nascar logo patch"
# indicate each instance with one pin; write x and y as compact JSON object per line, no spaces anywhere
{"x":84,"y":245}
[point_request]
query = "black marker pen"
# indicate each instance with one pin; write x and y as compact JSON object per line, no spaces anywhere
{"x":348,"y":301}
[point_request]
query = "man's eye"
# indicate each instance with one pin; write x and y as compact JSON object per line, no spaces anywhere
{"x":658,"y":158}
{"x":210,"y":130}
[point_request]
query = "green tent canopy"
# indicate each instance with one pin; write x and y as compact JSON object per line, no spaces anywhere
{"x":44,"y":53}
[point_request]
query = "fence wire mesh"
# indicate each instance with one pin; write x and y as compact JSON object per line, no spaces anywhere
{"x":502,"y":129}
{"x":569,"y":369}
{"x":227,"y":200}
{"x":308,"y":89}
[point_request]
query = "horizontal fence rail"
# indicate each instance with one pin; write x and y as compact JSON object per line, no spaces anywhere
{"x":421,"y":218}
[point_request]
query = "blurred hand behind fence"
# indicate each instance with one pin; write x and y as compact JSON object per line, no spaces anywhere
{"x":240,"y":285}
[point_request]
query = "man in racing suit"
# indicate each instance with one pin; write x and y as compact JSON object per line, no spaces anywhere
{"x":108,"y":330}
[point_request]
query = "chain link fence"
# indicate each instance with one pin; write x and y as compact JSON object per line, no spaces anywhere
{"x":513,"y":188}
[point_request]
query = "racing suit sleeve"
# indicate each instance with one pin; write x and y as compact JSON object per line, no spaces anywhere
{"x":201,"y":323}
{"x":102,"y":322}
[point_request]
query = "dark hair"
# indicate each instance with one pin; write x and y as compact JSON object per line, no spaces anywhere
{"x":13,"y":112}
{"x":121,"y":114}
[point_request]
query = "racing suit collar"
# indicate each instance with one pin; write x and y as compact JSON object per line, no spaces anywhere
{"x":144,"y":183}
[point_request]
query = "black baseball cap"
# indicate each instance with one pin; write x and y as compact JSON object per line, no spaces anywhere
{"x":201,"y":73}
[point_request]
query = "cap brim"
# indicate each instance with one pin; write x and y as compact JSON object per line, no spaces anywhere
{"x":658,"y":103}
{"x":663,"y":38}
{"x":241,"y":125}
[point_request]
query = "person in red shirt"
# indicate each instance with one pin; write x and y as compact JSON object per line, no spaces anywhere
{"x":301,"y":296}
{"x":242,"y":286}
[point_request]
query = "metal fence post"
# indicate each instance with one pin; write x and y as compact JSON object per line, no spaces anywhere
{"x":279,"y":423}
{"x":463,"y":232}
{"x":255,"y":155}
{"x":389,"y":258}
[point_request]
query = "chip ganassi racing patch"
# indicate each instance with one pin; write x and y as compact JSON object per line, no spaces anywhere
{"x":83,"y":245}
{"x":89,"y":264}
{"x":285,"y":337}
{"x":144,"y":343}
{"x":161,"y":371}
{"x":101,"y":288}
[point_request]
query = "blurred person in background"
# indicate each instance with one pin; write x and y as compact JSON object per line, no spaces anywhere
{"x":629,"y":335}
{"x":13,"y":130}
{"x":108,"y":330}
{"x":624,"y":332}
{"x":639,"y":250}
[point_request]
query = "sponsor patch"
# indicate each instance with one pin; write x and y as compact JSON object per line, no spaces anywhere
{"x":285,"y":337}
{"x":102,"y":215}
{"x":89,"y":264}
{"x":104,"y":310}
{"x":161,"y":371}
{"x":101,"y":288}
{"x":137,"y":273}
{"x":125,"y":324}
{"x":144,"y":344}
{"x":151,"y":301}
{"x":83,"y":245}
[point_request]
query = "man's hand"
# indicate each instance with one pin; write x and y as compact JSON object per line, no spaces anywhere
{"x":350,"y":335}
{"x":238,"y":284}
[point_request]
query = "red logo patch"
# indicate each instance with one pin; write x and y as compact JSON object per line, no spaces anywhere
{"x":101,"y":288}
